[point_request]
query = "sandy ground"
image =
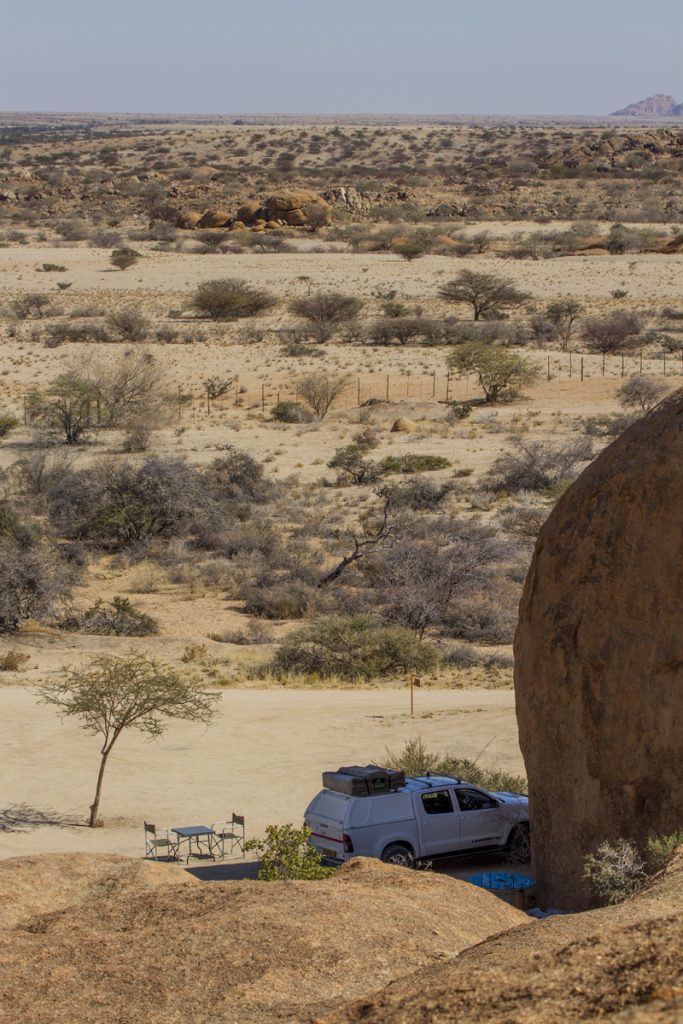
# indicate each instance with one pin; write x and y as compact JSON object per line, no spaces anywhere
{"x":648,"y":277}
{"x":262,"y":758}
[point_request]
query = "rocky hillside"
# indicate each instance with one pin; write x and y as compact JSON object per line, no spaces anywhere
{"x":620,"y":964}
{"x":96,"y":951}
{"x":654,"y":106}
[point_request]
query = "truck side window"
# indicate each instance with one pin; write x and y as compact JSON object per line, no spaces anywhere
{"x":438,"y":802}
{"x":473,"y":800}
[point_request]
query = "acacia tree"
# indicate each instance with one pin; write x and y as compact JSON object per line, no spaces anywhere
{"x":135,"y":692}
{"x":65,"y":408}
{"x":499,"y":371}
{"x":487,"y":294}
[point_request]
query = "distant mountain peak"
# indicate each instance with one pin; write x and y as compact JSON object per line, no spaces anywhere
{"x":654,"y":106}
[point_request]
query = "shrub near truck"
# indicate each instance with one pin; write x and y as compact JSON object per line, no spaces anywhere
{"x":425,"y":817}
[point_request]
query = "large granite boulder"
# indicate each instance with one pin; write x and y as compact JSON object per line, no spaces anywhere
{"x":599,"y":657}
{"x":293,"y":207}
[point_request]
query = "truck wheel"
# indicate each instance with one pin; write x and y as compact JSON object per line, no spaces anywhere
{"x":519,"y":844}
{"x":397,"y":854}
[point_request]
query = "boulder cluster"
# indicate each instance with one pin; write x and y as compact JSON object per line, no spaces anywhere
{"x":298,"y":209}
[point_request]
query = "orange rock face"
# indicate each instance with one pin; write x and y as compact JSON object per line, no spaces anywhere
{"x":599,"y":657}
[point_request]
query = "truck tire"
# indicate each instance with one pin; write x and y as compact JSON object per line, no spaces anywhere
{"x":519,"y":844}
{"x":397,"y":853}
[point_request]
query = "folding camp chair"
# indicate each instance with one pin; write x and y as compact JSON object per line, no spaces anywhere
{"x":159,"y":839}
{"x":232,"y":831}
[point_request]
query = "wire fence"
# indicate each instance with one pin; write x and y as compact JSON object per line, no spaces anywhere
{"x":438,"y":386}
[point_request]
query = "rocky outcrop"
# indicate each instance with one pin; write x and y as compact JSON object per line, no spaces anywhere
{"x":599,"y":657}
{"x":293,"y":207}
{"x":654,"y":106}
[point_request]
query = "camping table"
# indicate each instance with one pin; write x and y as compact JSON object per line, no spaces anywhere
{"x":503,"y":882}
{"x":186,"y":833}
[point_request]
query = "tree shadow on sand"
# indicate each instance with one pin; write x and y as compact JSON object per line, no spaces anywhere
{"x":22,"y":818}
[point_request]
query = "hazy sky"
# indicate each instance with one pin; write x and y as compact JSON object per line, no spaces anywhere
{"x":346,"y":56}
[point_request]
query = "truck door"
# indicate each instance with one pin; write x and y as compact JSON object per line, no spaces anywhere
{"x":482,"y":820}
{"x":439,"y":822}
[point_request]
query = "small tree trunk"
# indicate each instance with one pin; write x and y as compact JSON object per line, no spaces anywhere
{"x":95,"y":805}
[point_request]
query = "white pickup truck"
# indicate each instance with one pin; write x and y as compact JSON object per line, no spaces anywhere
{"x":427,"y":817}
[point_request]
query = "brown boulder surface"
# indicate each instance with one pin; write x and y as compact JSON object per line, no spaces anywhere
{"x":213,"y":219}
{"x":290,"y":206}
{"x":249,"y":210}
{"x":239,"y":951}
{"x":43,"y":884}
{"x":617,"y":964}
{"x":599,"y":657}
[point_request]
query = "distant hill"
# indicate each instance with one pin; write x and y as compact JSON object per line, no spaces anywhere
{"x":653,"y":106}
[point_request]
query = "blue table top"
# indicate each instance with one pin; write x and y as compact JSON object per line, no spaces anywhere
{"x":193,"y":830}
{"x":501,"y":880}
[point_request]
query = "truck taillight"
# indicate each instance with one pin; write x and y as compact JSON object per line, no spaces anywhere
{"x":348,"y":845}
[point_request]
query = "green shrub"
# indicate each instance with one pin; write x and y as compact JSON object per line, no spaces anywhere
{"x":124,"y":258}
{"x":415,"y":759}
{"x":353,"y":647}
{"x":661,"y":849}
{"x":286,"y":854}
{"x":413,"y":463}
{"x":290,"y":412}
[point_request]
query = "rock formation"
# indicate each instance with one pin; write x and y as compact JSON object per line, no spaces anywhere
{"x":653,"y":106}
{"x":599,"y":657}
{"x":292,"y":207}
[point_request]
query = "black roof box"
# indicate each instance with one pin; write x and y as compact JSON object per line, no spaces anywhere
{"x":368,"y":781}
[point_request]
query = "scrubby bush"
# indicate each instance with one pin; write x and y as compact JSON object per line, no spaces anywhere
{"x":231,"y":299}
{"x":8,"y":423}
{"x":413,"y":462}
{"x":538,"y":465}
{"x":128,"y":324}
{"x":614,"y":871}
{"x":352,"y":647}
{"x":124,"y":258}
{"x":322,"y":389}
{"x":34,"y":582}
{"x":326,"y":311}
{"x":114,"y":505}
{"x":616,"y":332}
{"x":32,"y":305}
{"x":118,"y":618}
{"x":641,"y":393}
{"x":290,"y":412}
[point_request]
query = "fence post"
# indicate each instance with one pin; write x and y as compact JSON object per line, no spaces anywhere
{"x":581,"y":367}
{"x":570,"y":364}
{"x":664,"y":362}
{"x":548,"y":367}
{"x":408,"y":385}
{"x":263,"y":398}
{"x":622,"y":364}
{"x":448,"y":385}
{"x":603,"y":364}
